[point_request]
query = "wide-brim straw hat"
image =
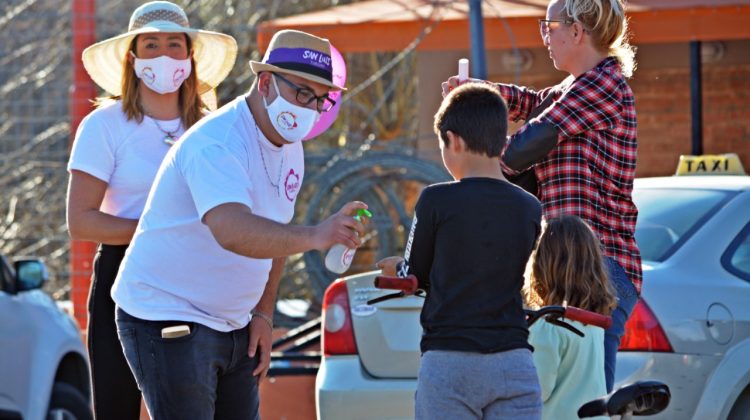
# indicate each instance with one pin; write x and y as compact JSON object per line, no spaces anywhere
{"x":300,"y":54}
{"x":214,"y":53}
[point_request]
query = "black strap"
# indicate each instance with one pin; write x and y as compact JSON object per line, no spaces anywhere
{"x":527,"y":179}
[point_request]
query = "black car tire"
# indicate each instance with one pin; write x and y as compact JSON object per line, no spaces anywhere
{"x":741,"y":409}
{"x":69,"y":401}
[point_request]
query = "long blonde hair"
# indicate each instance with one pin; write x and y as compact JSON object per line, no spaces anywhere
{"x":605,"y":21}
{"x":567,"y":267}
{"x":191,"y":105}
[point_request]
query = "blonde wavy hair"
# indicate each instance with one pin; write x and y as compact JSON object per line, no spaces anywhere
{"x":567,"y":267}
{"x":607,"y":25}
{"x":191,"y":105}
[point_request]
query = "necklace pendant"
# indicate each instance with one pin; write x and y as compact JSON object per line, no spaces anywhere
{"x":170,"y":140}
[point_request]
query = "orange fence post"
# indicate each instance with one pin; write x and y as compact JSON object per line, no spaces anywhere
{"x":81,"y":93}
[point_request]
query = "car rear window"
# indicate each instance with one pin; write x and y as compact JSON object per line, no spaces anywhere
{"x":667,"y":217}
{"x":737,"y":257}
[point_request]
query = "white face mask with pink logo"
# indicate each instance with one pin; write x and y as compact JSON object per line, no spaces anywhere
{"x":292,"y":122}
{"x":162,"y":74}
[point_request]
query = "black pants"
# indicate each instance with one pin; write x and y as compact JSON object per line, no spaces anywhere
{"x":205,"y":375}
{"x":116,"y":395}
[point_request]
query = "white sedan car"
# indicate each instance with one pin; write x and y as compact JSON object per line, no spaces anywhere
{"x":690,"y":329}
{"x":44,"y":369}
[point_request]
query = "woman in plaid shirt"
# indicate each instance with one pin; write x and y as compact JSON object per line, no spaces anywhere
{"x":580,"y":139}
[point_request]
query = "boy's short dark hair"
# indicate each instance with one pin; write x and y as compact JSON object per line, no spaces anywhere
{"x":477,"y":113}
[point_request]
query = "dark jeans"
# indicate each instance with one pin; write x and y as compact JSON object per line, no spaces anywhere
{"x":115,"y":393}
{"x":626,"y":300}
{"x":204,"y":375}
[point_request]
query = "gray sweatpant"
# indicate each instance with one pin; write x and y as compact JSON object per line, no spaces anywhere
{"x":459,"y":385}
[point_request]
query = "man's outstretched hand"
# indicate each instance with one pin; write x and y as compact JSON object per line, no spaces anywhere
{"x":341,"y":228}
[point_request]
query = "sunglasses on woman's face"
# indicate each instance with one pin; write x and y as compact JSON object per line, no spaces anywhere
{"x":546,"y":24}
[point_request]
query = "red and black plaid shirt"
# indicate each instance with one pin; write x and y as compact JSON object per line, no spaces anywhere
{"x":590,"y":173}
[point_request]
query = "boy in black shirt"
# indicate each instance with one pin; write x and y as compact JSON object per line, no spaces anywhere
{"x":469,"y":244}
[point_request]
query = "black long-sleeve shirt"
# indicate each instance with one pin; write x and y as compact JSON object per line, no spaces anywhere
{"x":469,"y":244}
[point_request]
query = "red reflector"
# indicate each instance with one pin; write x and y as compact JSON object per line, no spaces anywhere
{"x":338,"y":334}
{"x":643,"y":332}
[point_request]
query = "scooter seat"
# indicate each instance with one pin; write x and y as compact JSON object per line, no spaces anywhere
{"x":642,"y":398}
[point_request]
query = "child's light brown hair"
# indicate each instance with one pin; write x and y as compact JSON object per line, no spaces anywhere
{"x":568,"y":268}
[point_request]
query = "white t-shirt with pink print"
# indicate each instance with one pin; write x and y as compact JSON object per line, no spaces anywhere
{"x":174,"y":269}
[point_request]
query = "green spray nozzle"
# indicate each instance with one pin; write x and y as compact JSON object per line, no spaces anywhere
{"x":363,"y":213}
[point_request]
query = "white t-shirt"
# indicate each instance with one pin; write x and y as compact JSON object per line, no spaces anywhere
{"x":122,"y":153}
{"x":174,"y":269}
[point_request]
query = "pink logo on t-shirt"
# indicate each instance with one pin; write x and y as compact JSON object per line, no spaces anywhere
{"x":291,"y":185}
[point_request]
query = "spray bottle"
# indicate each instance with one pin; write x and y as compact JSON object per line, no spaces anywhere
{"x":339,"y":257}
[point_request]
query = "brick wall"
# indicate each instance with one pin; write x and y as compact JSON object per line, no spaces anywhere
{"x":664,"y":126}
{"x":663,"y":108}
{"x":661,"y":85}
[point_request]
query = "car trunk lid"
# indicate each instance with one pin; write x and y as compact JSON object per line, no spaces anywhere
{"x":387,"y":333}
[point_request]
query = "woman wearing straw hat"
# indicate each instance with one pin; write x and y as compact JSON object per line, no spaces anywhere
{"x":161,"y":74}
{"x":197,"y":289}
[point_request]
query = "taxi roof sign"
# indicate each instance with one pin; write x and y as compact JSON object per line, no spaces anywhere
{"x":724,"y":164}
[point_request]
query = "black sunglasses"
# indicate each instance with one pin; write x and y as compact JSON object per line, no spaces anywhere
{"x":305,"y":96}
{"x":546,"y":24}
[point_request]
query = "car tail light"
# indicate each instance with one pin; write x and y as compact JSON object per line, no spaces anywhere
{"x":338,"y":333}
{"x":643,"y":332}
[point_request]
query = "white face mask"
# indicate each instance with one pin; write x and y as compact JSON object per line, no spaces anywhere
{"x":162,"y":74}
{"x":292,"y":122}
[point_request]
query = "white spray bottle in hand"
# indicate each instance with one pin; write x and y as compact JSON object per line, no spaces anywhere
{"x":339,"y":257}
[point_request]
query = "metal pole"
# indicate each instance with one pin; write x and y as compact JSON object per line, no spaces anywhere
{"x":82,"y":91}
{"x":696,"y":97}
{"x":478,"y":67}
